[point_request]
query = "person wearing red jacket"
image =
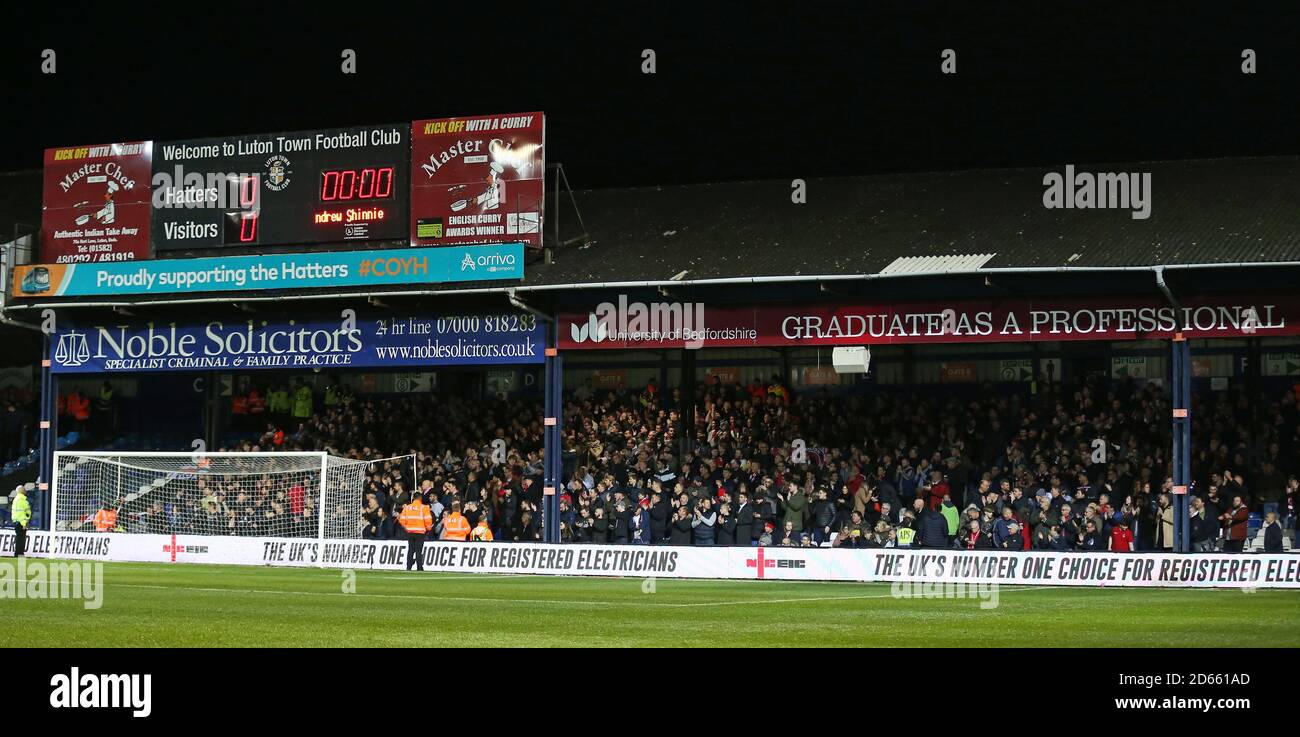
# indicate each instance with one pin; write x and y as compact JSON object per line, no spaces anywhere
{"x":938,"y":489}
{"x":1121,"y":537}
{"x":1234,"y":523}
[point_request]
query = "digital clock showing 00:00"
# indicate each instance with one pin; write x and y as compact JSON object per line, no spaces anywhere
{"x":347,"y":185}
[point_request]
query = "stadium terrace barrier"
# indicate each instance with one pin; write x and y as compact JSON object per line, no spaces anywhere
{"x":796,"y":564}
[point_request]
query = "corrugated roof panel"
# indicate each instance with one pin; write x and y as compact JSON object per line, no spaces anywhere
{"x":933,"y":264}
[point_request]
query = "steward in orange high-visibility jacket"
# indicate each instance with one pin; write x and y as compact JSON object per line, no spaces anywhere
{"x":455,"y":526}
{"x":417,"y":520}
{"x":482,"y":533}
{"x":106,"y":519}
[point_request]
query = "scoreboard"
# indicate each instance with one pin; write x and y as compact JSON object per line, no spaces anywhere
{"x":436,"y":182}
{"x":307,"y":187}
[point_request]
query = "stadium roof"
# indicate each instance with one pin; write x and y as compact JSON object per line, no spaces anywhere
{"x":1203,"y":213}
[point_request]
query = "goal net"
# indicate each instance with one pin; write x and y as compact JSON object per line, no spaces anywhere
{"x":303,"y":494}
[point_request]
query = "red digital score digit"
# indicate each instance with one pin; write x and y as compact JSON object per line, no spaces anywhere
{"x":356,"y":184}
{"x":248,"y":227}
{"x":248,"y":200}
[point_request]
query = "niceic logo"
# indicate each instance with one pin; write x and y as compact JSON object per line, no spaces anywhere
{"x":762,"y":563}
{"x":643,"y":322}
{"x":94,"y":691}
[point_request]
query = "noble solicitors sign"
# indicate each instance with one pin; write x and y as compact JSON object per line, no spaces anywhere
{"x":369,"y":340}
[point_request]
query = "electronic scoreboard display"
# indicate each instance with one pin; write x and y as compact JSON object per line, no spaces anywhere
{"x":270,"y":189}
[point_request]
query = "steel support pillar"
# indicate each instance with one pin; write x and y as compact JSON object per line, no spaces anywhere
{"x":1181,"y":388}
{"x":47,"y":438}
{"x":554,"y":445}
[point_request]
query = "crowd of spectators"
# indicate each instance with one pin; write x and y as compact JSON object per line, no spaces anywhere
{"x":1067,"y":468}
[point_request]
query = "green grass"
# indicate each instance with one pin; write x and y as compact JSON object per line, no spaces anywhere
{"x":151,"y":605}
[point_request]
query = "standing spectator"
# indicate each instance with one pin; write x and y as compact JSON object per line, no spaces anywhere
{"x":974,"y":537}
{"x":79,"y":407}
{"x":1272,"y":533}
{"x":1164,"y":521}
{"x":639,"y":528}
{"x":661,"y":513}
{"x":681,"y":529}
{"x":953,"y":518}
{"x":621,"y":521}
{"x":744,"y":520}
{"x":1090,"y":538}
{"x":1121,"y":537}
{"x":822,"y":514}
{"x":1002,"y":530}
{"x":1203,"y":530}
{"x":600,"y":526}
{"x":796,"y":507}
{"x":937,"y":489}
{"x":1014,"y":540}
{"x":1292,"y":502}
{"x":933,"y":532}
{"x":703,"y":522}
{"x":1234,"y":523}
{"x":302,"y":401}
{"x":726,"y":526}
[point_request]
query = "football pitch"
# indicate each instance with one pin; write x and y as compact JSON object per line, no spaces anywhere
{"x":152,"y":605}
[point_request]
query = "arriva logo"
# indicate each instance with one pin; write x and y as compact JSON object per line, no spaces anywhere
{"x":491,"y":262}
{"x":643,"y":322}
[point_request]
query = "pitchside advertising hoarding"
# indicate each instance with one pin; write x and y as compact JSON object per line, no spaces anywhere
{"x":628,"y":324}
{"x":356,"y":339}
{"x":325,"y":269}
{"x":1153,"y":570}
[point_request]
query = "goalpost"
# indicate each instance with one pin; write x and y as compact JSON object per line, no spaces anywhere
{"x":291,"y":494}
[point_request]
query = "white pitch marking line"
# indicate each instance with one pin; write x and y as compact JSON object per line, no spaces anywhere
{"x":562,"y":602}
{"x":834,"y":598}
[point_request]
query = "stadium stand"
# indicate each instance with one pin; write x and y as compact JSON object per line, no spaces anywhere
{"x":893,"y":469}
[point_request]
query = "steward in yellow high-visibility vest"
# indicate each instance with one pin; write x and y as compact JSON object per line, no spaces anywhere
{"x":21,"y":514}
{"x":905,"y":536}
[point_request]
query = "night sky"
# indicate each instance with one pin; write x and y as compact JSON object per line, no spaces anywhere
{"x":742,"y":90}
